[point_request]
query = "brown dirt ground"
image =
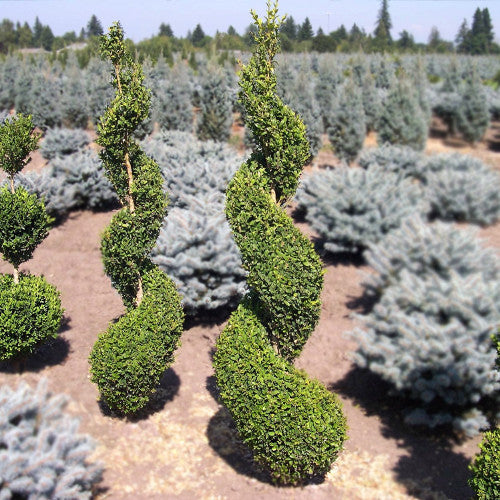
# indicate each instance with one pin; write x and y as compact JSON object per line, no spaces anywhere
{"x":185,"y":446}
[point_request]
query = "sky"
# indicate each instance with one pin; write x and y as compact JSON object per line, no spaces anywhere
{"x":142,"y":18}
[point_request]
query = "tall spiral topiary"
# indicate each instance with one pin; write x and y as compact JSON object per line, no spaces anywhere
{"x":293,"y":424}
{"x":128,"y":359}
{"x":30,"y":307}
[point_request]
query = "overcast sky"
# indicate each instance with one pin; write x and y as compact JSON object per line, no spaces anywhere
{"x":141,"y":18}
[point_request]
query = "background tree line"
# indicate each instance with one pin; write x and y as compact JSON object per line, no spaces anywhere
{"x":295,"y":37}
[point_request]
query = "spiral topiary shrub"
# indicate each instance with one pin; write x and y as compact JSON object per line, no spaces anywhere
{"x":41,"y":454}
{"x":350,"y":207}
{"x":191,"y":167}
{"x":437,"y":304}
{"x":30,"y":308}
{"x":293,"y":425}
{"x":462,"y":188}
{"x":485,"y":480}
{"x":62,"y":142}
{"x":197,"y":250}
{"x":128,"y":360}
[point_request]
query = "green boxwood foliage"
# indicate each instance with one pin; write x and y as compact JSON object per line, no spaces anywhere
{"x":293,"y":425}
{"x":485,"y":480}
{"x":30,"y":308}
{"x":129,"y":358}
{"x":30,"y":313}
{"x":24,"y":224}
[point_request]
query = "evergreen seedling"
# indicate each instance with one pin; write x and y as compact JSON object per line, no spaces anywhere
{"x":293,"y":425}
{"x":129,"y":359}
{"x":30,"y":308}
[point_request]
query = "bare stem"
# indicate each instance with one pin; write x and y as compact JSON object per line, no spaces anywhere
{"x":12,"y":183}
{"x":140,"y":293}
{"x":16,"y":275}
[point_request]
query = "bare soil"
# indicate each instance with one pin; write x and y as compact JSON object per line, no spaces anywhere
{"x":185,"y":446}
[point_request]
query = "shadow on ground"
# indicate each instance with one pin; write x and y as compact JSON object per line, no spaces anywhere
{"x":52,"y":352}
{"x":431,"y":464}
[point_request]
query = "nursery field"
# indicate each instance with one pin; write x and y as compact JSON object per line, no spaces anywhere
{"x":184,"y":444}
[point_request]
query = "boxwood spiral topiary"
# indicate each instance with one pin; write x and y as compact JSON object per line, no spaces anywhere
{"x":293,"y":425}
{"x":437,"y":304}
{"x":30,"y":308}
{"x":41,"y":454}
{"x":352,"y":207}
{"x":128,"y":360}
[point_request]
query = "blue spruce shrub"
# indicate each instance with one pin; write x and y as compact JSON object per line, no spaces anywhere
{"x":473,"y":115}
{"x":216,"y":110}
{"x":393,"y":158}
{"x":461,"y":188}
{"x":72,"y":182}
{"x":347,"y":129}
{"x":63,"y":141}
{"x":41,"y":454}
{"x":195,"y":247}
{"x":437,"y":304}
{"x":402,"y":120}
{"x":351,"y":207}
{"x":190,"y":166}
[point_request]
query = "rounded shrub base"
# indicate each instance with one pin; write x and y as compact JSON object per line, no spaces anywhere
{"x":30,"y":313}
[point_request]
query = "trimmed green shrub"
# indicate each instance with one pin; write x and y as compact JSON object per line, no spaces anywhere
{"x":30,"y":313}
{"x":485,"y":480}
{"x":293,"y":425}
{"x":351,"y":207}
{"x":41,"y":454}
{"x":129,"y":359}
{"x":62,"y":142}
{"x":437,"y":304}
{"x":30,"y":308}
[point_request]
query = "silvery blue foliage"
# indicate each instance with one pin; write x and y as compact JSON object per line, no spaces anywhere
{"x":462,"y":188}
{"x":172,"y":102}
{"x":45,"y":101}
{"x":4,"y":114}
{"x":402,"y":120}
{"x":493,"y":101}
{"x":75,"y":100}
{"x":72,"y":182}
{"x":63,"y":141}
{"x":353,"y":207}
{"x":98,"y":89}
{"x":437,"y":304}
{"x":347,"y":129}
{"x":41,"y":455}
{"x":190,"y":166}
{"x":195,"y":248}
{"x":392,"y":158}
{"x":216,"y":109}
